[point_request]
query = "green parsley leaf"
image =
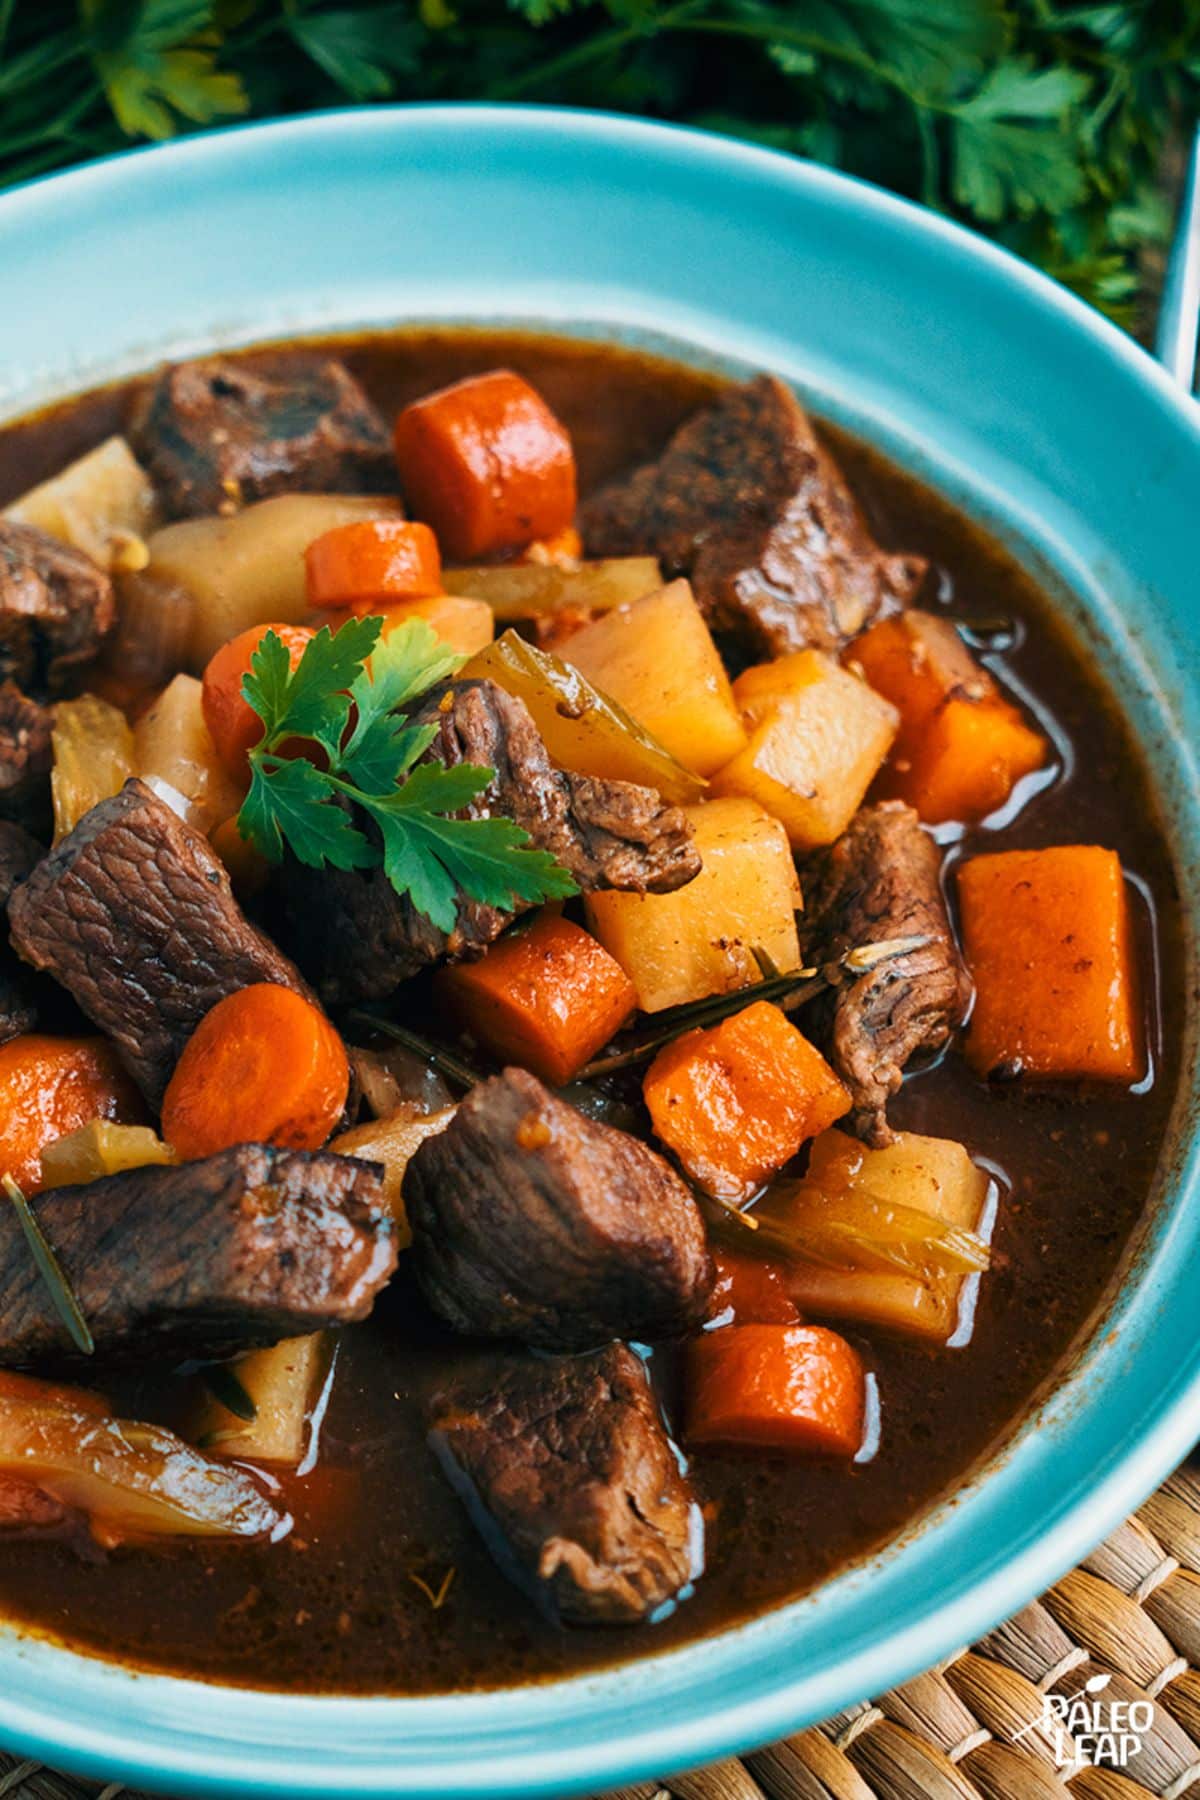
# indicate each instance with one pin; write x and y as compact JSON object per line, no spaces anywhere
{"x":300,"y":806}
{"x":1014,"y":150}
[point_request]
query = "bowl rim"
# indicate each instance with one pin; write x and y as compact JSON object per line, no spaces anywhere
{"x":529,"y":1766}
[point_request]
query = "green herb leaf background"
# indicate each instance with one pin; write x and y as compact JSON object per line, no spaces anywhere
{"x":1044,"y":125}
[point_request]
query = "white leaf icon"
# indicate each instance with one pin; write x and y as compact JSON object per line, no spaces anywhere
{"x":1097,"y":1684}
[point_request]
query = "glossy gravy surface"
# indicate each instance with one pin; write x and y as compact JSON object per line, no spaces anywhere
{"x":360,"y":1597}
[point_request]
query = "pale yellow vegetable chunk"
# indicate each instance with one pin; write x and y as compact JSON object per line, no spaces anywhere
{"x":852,"y":1189}
{"x":104,"y":504}
{"x":93,"y":758}
{"x":248,"y":569}
{"x":394,"y":1141}
{"x":283,"y":1384}
{"x":582,"y":728}
{"x":173,"y":743}
{"x":701,"y":939}
{"x":817,"y":736}
{"x":657,"y":659}
{"x":523,"y":590}
{"x":101,"y":1148}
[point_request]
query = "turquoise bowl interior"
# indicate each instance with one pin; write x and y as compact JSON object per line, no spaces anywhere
{"x":967,"y":367}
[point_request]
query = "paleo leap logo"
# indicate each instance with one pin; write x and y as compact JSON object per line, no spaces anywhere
{"x":1081,"y":1728}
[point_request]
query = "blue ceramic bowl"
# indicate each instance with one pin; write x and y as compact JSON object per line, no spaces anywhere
{"x":966,"y":366}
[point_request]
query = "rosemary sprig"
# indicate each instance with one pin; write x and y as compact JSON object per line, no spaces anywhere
{"x":227,"y":1390}
{"x":50,"y":1270}
{"x":444,"y":1061}
{"x":789,"y":991}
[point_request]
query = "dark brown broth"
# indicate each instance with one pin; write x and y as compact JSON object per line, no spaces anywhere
{"x":336,"y":1607}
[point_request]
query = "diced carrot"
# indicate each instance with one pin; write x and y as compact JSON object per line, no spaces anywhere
{"x":264,"y":1065}
{"x":51,"y":1086}
{"x":487,"y":465}
{"x":736,"y":1101}
{"x":962,"y":747}
{"x":468,"y":626}
{"x":1048,"y":940}
{"x":547,"y":997}
{"x":373,"y":562}
{"x":972,"y":757}
{"x":775,"y":1387}
{"x":233,"y":724}
{"x":751,"y":1289}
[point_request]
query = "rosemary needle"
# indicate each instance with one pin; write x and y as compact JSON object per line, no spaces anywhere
{"x":49,"y":1268}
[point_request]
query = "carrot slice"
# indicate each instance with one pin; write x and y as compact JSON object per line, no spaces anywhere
{"x":735,"y":1102}
{"x":466,"y":625}
{"x":547,"y":998}
{"x":51,"y":1086}
{"x":264,"y":1065}
{"x":775,"y":1387}
{"x":487,"y":464}
{"x":373,"y":561}
{"x":1048,"y":941}
{"x":233,"y":724}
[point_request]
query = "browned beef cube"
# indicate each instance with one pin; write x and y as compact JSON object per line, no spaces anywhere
{"x":568,"y":1471}
{"x":355,"y":936}
{"x":241,"y":1249}
{"x":881,"y":881}
{"x":216,"y":434}
{"x":747,"y":502}
{"x":26,"y":758}
{"x":56,"y":608}
{"x":533,"y":1222}
{"x":134,"y":915}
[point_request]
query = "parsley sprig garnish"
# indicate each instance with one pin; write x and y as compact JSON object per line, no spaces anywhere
{"x":346,"y":697}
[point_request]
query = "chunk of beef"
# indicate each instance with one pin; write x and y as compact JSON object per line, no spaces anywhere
{"x":19,"y":855}
{"x":357,"y":939}
{"x":216,"y":434}
{"x":26,"y":757}
{"x":56,"y":609}
{"x":567,"y":1469}
{"x":880,"y":881}
{"x":244,"y":1248}
{"x":134,"y":915}
{"x":533,"y":1222}
{"x":747,"y":502}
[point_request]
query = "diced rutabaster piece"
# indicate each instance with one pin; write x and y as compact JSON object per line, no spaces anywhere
{"x":566,"y":1462}
{"x":737,"y":1101}
{"x":56,"y":609}
{"x":1048,"y":940}
{"x":134,"y":915}
{"x":702,"y":940}
{"x":880,"y":885}
{"x":215,"y":434}
{"x":200,"y":1259}
{"x":747,"y":502}
{"x":359,"y":939}
{"x":817,"y":737}
{"x":962,"y":747}
{"x":533,"y":1222}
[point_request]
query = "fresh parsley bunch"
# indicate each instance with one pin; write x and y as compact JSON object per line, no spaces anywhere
{"x":1043,"y":122}
{"x":345,"y":699}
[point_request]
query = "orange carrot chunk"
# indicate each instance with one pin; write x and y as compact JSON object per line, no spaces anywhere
{"x":962,"y":747}
{"x":1048,"y":941}
{"x":735,"y":1102}
{"x":263,"y":1066}
{"x":373,"y":562}
{"x":466,"y":625}
{"x":750,"y":1290}
{"x":233,"y":724}
{"x":51,"y":1086}
{"x":775,"y":1387}
{"x":547,"y":998}
{"x":487,"y":465}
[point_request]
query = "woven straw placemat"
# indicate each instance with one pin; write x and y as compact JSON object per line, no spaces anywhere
{"x":983,"y":1725}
